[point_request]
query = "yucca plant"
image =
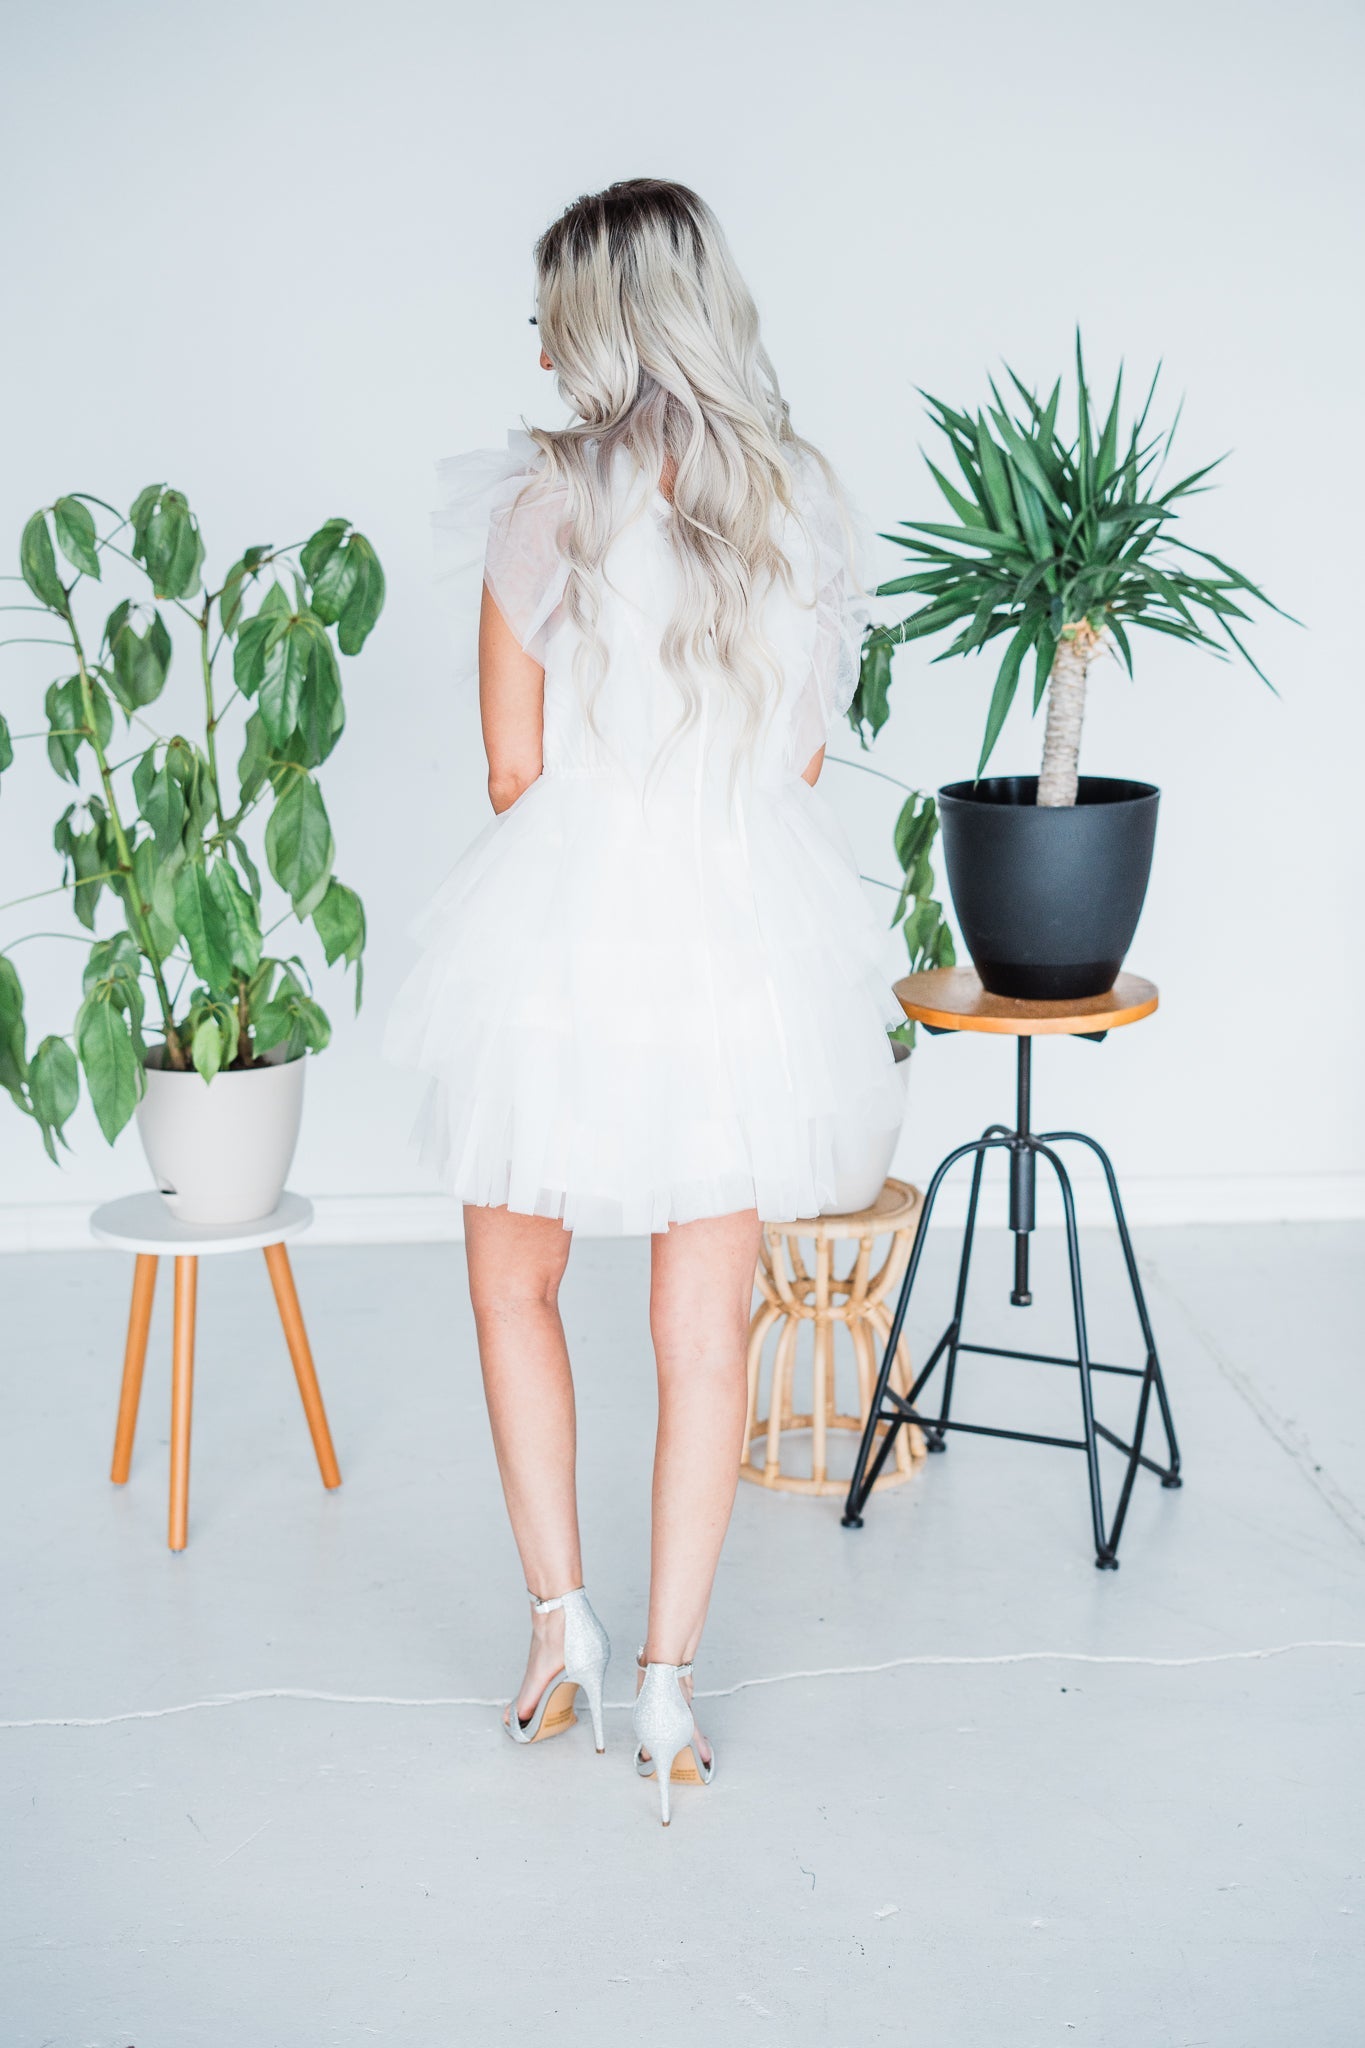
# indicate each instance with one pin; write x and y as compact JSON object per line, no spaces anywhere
{"x":157,"y":832}
{"x":1064,"y":546}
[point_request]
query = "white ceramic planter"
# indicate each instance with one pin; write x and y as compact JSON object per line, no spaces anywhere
{"x":220,"y":1151}
{"x":862,"y":1159}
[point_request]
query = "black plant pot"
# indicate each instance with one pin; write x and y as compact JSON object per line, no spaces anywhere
{"x":1048,"y":900}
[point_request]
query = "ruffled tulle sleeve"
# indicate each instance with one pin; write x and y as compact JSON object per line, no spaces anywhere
{"x":829,"y":559}
{"x":497,"y":522}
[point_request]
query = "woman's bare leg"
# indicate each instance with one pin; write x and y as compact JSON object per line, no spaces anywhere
{"x":700,"y":1299}
{"x":515,"y":1266}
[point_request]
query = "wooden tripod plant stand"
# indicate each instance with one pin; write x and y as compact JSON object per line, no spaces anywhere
{"x":142,"y":1224}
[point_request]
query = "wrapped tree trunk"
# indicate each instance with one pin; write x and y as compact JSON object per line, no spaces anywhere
{"x":1059,"y":774}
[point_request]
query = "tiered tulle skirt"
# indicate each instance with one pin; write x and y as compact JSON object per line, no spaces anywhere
{"x":640,"y":1012}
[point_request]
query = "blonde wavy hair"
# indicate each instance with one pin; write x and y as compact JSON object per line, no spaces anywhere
{"x":654,"y":338}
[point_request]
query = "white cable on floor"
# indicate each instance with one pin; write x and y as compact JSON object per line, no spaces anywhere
{"x":363,"y":1699}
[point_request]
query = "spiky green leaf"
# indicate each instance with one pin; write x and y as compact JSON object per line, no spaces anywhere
{"x":1006,"y":682}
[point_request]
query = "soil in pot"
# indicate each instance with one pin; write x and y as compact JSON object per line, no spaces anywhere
{"x":1048,"y":900}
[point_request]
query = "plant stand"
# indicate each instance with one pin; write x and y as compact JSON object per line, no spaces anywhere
{"x":142,"y":1224}
{"x":856,"y":1300}
{"x":952,"y":999}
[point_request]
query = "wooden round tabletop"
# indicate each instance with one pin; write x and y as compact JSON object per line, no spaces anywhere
{"x":952,"y":999}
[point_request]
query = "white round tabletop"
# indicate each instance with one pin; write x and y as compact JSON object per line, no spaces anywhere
{"x":143,"y":1223}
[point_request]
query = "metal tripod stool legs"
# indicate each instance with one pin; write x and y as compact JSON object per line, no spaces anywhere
{"x":1024,"y":1148}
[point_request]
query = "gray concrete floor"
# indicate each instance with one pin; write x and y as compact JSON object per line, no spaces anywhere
{"x":970,"y":1790}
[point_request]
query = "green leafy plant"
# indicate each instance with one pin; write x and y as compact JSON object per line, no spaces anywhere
{"x":1065,"y":546}
{"x":158,"y":842}
{"x":918,"y":913}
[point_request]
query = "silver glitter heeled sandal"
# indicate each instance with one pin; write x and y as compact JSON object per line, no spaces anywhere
{"x":587,"y":1653}
{"x":664,"y":1726}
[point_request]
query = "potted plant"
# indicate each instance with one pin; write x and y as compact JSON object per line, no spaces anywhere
{"x":156,"y":843}
{"x":1066,"y":547}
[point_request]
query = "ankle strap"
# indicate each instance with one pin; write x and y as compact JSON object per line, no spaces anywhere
{"x":683,"y":1670}
{"x":549,"y":1606}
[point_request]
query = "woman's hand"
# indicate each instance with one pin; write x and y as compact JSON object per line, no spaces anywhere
{"x":511,"y":705}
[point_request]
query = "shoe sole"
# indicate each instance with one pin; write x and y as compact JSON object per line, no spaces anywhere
{"x":559,"y":1712}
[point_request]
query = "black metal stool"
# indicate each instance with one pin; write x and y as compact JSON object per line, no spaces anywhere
{"x":952,"y":999}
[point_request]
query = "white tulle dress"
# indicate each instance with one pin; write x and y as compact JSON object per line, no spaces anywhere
{"x":650,"y":992}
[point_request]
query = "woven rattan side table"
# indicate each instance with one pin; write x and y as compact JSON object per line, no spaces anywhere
{"x":855,"y":1300}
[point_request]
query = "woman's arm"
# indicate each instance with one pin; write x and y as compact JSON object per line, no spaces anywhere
{"x":811,"y":772}
{"x":511,"y":705}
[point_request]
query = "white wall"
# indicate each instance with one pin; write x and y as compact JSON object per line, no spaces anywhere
{"x":279,"y":255}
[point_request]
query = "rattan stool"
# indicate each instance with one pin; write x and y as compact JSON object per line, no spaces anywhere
{"x":793,"y":1295}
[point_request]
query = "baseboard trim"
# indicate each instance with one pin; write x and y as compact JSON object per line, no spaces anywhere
{"x":436,"y":1219}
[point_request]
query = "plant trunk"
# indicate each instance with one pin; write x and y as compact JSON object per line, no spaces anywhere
{"x":1065,"y":712}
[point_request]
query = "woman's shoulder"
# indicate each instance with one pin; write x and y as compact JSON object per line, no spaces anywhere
{"x":819,"y":499}
{"x":498,"y":520}
{"x":482,"y":485}
{"x":824,"y":535}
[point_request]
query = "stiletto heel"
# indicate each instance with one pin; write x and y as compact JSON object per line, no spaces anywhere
{"x":663,"y":1725}
{"x":587,"y":1653}
{"x":593,"y":1692}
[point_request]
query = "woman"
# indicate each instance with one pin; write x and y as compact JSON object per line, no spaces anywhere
{"x":650,"y":995}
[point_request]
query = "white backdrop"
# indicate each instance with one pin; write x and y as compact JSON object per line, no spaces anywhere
{"x":280,"y":256}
